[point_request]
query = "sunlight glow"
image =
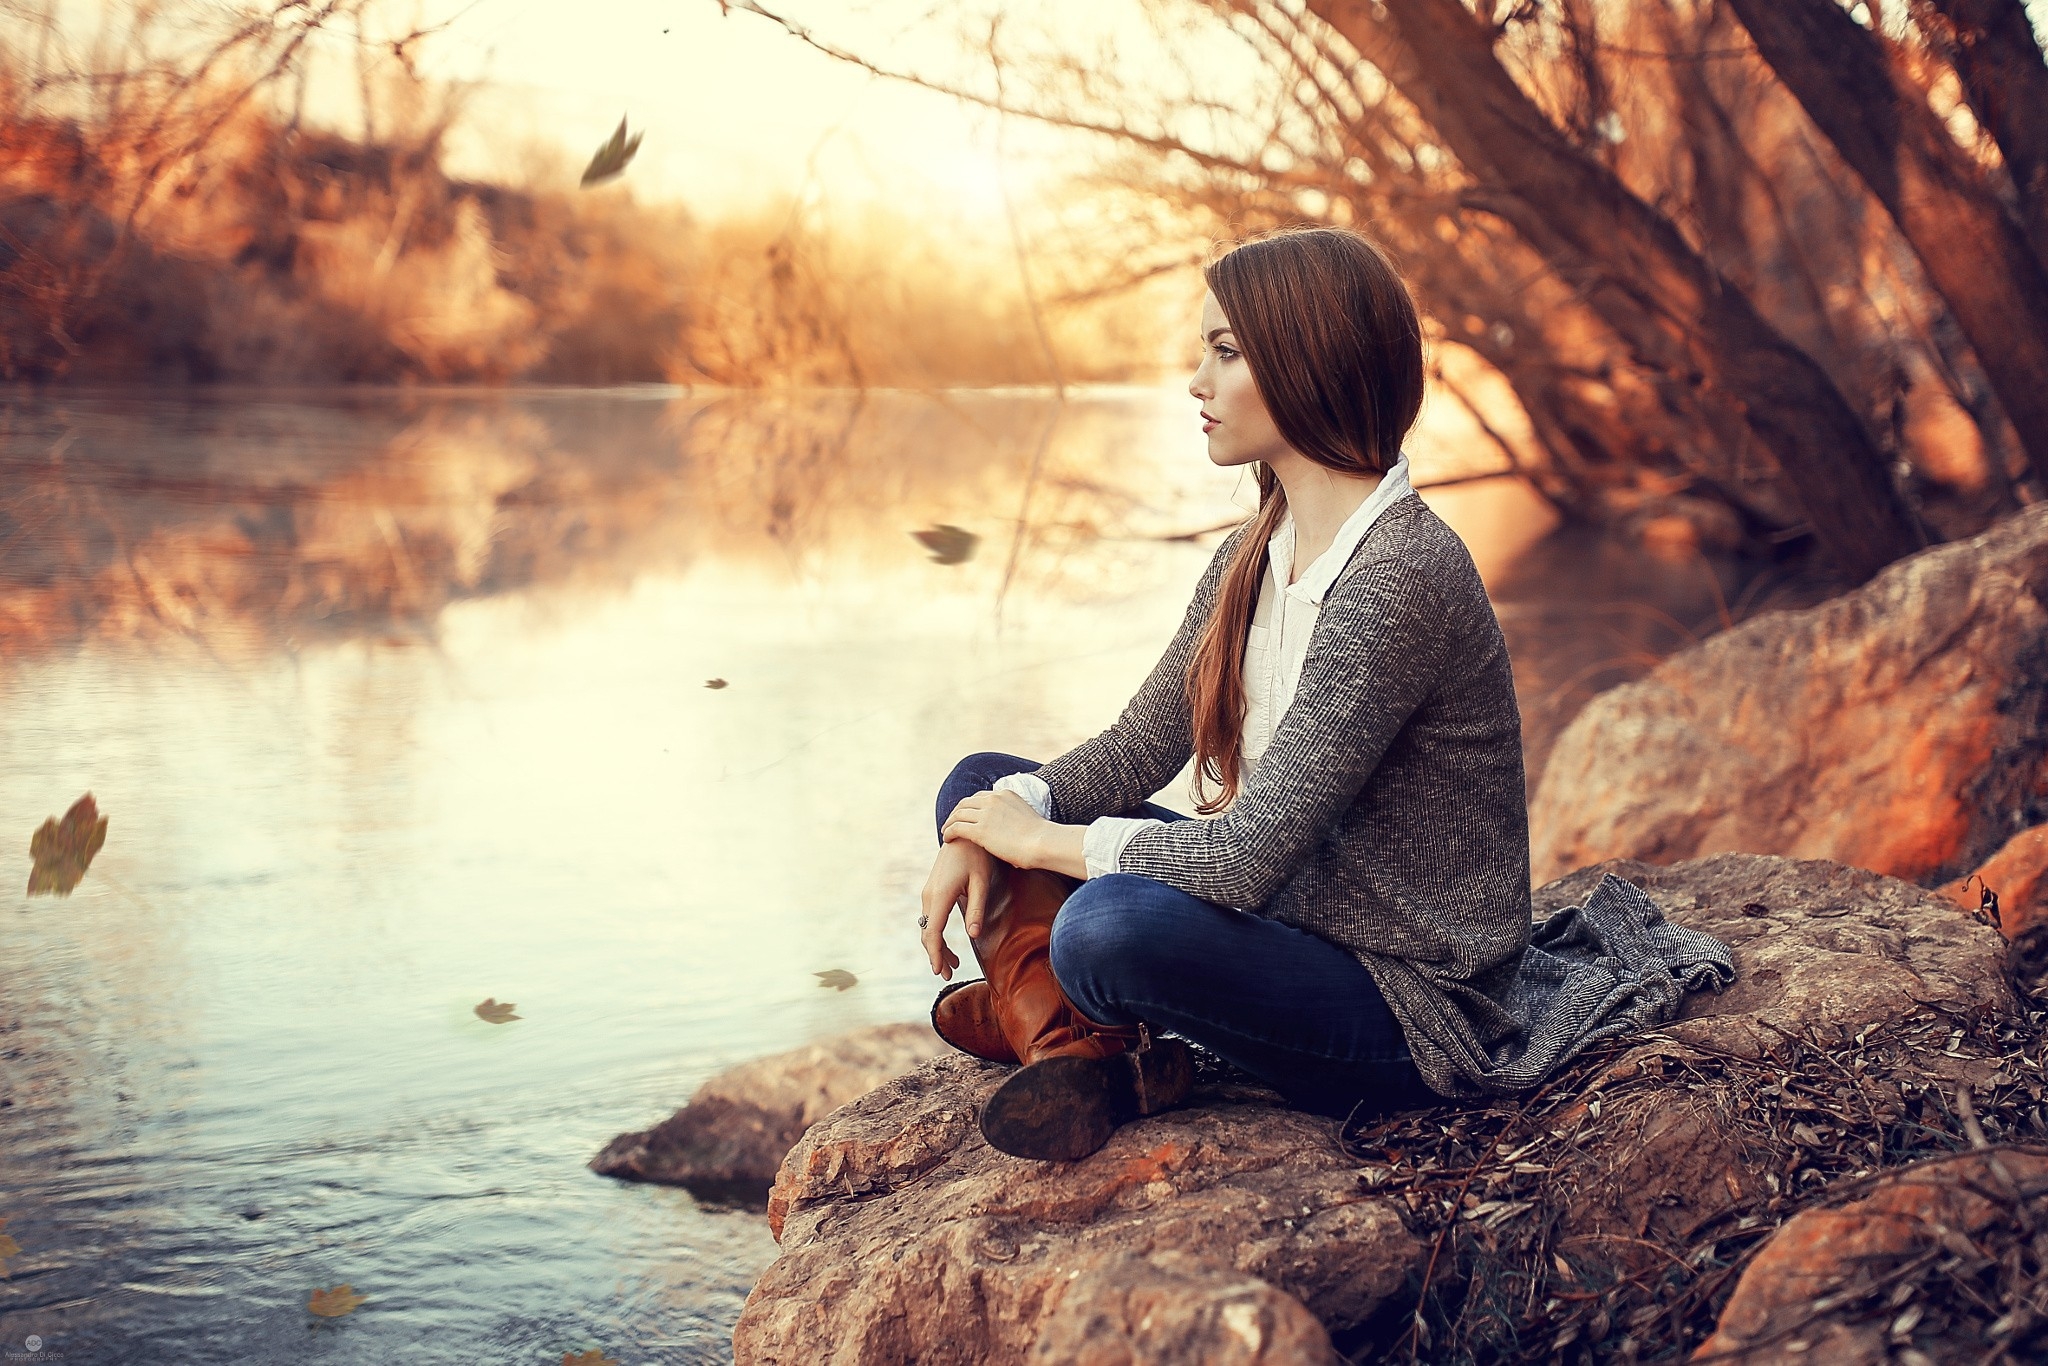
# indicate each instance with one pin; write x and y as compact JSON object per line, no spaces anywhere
{"x":736,"y":111}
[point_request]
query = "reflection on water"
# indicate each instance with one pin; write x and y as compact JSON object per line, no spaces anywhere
{"x":287,"y":520}
{"x":395,"y":702}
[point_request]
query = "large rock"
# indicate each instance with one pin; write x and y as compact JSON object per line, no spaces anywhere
{"x":728,"y":1141}
{"x":1902,"y":727}
{"x":1854,"y":1284}
{"x":1235,"y":1229}
{"x":1228,"y":1231}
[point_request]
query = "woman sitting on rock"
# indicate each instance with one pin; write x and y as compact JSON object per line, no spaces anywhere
{"x":1354,"y":927}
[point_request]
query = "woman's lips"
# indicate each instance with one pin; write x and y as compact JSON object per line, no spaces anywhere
{"x":1210,"y":424}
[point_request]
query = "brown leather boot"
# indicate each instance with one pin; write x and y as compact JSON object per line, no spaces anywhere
{"x":1018,"y":1013}
{"x":1080,"y":1079}
{"x":1064,"y":1107}
{"x":964,"y":1013}
{"x":965,"y":1016}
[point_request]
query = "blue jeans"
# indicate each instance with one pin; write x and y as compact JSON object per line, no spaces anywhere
{"x":1289,"y":1007}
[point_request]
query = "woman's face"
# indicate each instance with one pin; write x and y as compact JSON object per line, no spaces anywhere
{"x":1235,"y":417}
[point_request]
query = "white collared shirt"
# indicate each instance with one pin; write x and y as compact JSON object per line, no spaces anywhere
{"x":1282,"y":622}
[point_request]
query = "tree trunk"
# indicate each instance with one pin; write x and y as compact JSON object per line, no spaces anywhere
{"x":1991,"y":44}
{"x":1605,"y":422}
{"x":1973,"y":250}
{"x":1634,"y":268}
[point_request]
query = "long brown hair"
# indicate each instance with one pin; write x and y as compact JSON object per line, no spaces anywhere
{"x":1335,"y":350}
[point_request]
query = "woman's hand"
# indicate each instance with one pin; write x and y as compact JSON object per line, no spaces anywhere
{"x":964,"y":875}
{"x":1002,"y":823}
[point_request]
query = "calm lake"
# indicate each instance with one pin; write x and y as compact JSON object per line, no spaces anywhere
{"x":397,"y":700}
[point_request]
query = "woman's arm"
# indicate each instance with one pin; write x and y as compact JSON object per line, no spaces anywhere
{"x":1379,"y":650}
{"x":1136,"y":756}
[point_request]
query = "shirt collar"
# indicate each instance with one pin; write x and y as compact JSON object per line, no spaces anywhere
{"x":1316,"y":579}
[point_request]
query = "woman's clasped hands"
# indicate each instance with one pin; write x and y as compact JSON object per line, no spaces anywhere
{"x":1002,"y":823}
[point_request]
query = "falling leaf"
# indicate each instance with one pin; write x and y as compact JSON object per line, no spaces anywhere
{"x":836,"y":977}
{"x":496,"y":1011}
{"x":949,"y":544}
{"x":714,"y":683}
{"x":62,"y":850}
{"x":8,"y":1247}
{"x":593,"y":1357}
{"x":332,"y":1304}
{"x":612,"y":158}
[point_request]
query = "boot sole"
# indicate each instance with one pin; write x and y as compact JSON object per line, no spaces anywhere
{"x":1062,"y":1109}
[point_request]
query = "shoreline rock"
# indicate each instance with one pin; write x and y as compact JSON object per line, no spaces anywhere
{"x":728,"y":1141}
{"x":1234,"y":1229}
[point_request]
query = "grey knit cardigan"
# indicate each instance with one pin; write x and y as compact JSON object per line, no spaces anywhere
{"x":1388,"y":816}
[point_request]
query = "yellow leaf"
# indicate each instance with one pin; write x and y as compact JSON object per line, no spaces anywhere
{"x":8,"y":1247}
{"x":613,"y":156}
{"x":496,"y":1011}
{"x":593,"y":1357}
{"x":949,"y":544}
{"x":836,"y":977}
{"x":62,"y":850}
{"x":333,"y":1303}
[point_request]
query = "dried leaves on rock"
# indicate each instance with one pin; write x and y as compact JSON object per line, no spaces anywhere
{"x":1819,"y":1120}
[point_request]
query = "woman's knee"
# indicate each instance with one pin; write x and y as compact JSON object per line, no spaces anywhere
{"x":1102,"y":924}
{"x":975,"y":773}
{"x":978,"y":764}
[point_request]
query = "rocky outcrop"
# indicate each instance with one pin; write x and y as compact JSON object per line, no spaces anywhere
{"x":1866,"y":1281}
{"x":1235,"y":1229}
{"x":728,"y":1141}
{"x":1902,"y":727}
{"x":1231,"y":1230}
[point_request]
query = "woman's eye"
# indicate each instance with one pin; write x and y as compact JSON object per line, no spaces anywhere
{"x":1226,"y":352}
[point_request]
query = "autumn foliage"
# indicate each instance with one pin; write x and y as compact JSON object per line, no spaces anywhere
{"x":173,"y":220}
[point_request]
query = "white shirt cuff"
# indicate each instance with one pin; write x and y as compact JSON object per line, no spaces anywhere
{"x":1104,"y":843}
{"x":1031,"y":788}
